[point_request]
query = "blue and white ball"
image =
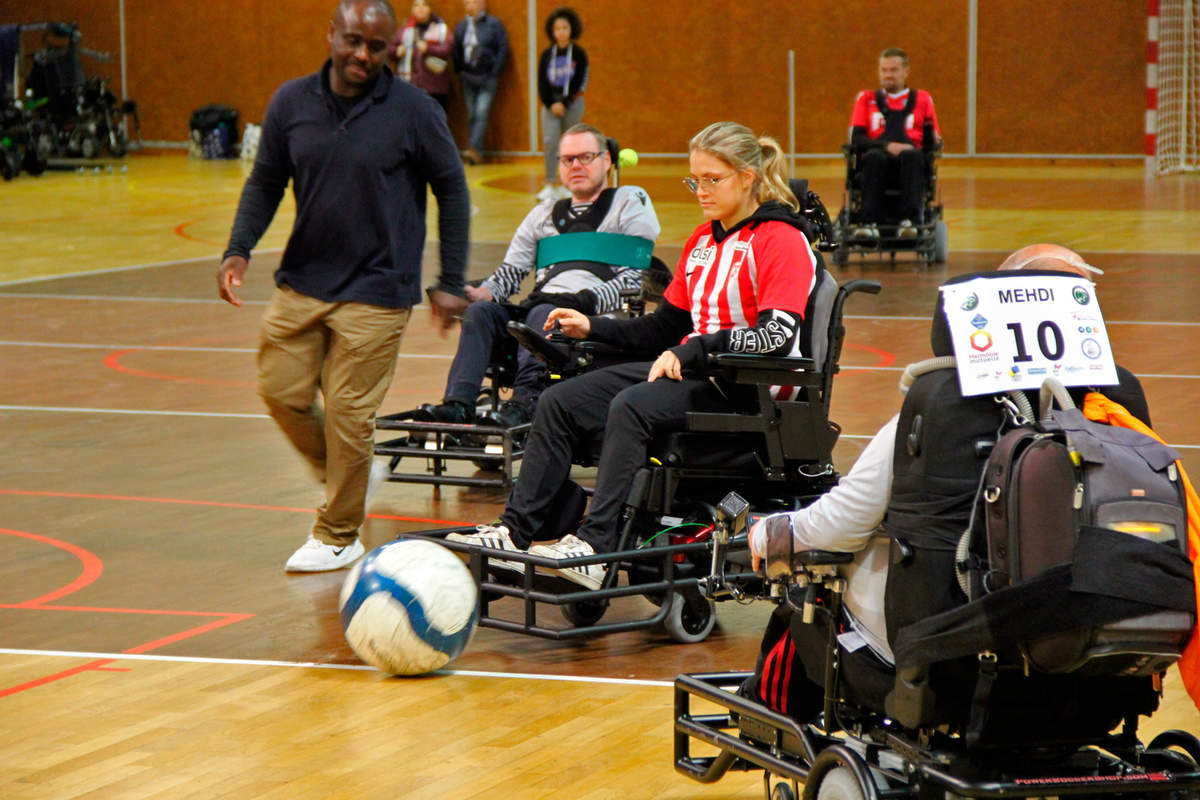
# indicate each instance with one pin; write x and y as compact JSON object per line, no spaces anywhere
{"x":409,"y":607}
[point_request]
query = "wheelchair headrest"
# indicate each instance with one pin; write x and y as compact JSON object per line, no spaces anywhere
{"x":939,"y":334}
{"x":614,"y":149}
{"x":799,"y":187}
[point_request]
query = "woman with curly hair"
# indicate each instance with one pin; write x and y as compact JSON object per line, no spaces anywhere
{"x":562,"y":76}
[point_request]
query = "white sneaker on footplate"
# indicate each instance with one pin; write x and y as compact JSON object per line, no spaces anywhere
{"x":497,"y":538}
{"x":571,"y":546}
{"x":316,"y":556}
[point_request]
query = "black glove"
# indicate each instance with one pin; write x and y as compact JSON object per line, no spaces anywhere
{"x":582,"y":301}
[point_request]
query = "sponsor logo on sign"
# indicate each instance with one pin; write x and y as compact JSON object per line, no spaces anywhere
{"x":981,"y":340}
{"x":979,"y":321}
{"x":970,"y":302}
{"x":1081,"y":295}
{"x":1091,"y":348}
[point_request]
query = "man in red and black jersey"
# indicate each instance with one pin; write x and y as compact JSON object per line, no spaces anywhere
{"x":891,"y":129}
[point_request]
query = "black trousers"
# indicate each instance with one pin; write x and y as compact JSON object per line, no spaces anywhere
{"x":619,"y":402}
{"x":878,"y":170}
{"x":482,"y":324}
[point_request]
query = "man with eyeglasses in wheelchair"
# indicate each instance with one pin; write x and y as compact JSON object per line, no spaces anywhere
{"x":889,"y":129}
{"x":571,"y":274}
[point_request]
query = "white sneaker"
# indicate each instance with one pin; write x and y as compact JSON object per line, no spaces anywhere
{"x":316,"y":556}
{"x":546,"y":193}
{"x":571,"y":546}
{"x":377,"y":477}
{"x":495,"y":537}
{"x":865,"y":234}
{"x":906,"y":230}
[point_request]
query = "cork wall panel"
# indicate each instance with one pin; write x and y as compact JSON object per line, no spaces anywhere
{"x":1061,"y":77}
{"x":661,"y":71}
{"x":1051,"y":77}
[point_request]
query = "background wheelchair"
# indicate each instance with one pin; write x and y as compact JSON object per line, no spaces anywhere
{"x":931,"y":244}
{"x":1049,"y":735}
{"x":778,"y":453}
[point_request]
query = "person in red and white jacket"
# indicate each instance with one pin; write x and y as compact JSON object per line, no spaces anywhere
{"x":888,"y":129}
{"x":742,"y":285}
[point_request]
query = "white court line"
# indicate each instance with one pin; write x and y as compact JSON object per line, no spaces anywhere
{"x":902,"y":318}
{"x":251,"y":350}
{"x":221,"y":415}
{"x":170,"y":348}
{"x":69,"y":410}
{"x":245,"y":662}
{"x":127,"y":268}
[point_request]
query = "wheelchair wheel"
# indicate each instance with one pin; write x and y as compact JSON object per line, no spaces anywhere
{"x":1177,"y":740}
{"x":941,"y":242}
{"x":584,"y":612}
{"x":33,"y":163}
{"x":840,"y":784}
{"x":685,"y":622}
{"x":781,"y":791}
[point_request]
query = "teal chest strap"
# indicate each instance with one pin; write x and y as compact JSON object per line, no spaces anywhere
{"x":618,"y":249}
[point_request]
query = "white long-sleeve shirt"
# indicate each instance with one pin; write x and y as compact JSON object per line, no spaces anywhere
{"x":847,"y":519}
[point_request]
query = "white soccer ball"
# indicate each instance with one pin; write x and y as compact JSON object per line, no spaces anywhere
{"x":409,"y":607}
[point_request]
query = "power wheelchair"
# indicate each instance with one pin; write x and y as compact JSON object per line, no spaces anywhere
{"x":865,"y":745}
{"x":777,"y":452}
{"x":931,"y":243}
{"x":496,"y":449}
{"x":1018,"y":698}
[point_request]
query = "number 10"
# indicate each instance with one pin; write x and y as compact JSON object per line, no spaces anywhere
{"x":1049,"y":340}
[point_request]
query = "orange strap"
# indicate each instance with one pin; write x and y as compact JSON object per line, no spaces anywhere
{"x":1099,"y":408}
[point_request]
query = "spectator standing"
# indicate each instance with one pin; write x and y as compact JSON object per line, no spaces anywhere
{"x":480,"y":53}
{"x":562,"y":77}
{"x":422,"y":51}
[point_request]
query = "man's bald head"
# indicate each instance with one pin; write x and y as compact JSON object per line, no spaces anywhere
{"x":1050,"y":257}
{"x":375,"y":6}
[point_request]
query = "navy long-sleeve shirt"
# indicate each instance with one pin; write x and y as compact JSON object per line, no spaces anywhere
{"x":359,"y":178}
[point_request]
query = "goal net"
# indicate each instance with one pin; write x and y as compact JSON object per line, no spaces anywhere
{"x":1177,"y":135}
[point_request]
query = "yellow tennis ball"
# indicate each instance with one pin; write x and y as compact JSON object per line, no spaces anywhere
{"x":627,"y":157}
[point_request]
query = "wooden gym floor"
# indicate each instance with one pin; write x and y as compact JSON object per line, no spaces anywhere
{"x":152,"y":645}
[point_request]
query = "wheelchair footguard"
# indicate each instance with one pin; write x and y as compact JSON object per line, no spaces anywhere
{"x":879,"y":760}
{"x":489,"y":447}
{"x":665,"y":573}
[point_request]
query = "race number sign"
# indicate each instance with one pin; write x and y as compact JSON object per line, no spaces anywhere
{"x":1011,"y":332}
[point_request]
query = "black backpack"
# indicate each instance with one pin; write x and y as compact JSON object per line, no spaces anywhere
{"x":1099,"y":505}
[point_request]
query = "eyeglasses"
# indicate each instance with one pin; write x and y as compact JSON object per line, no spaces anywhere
{"x":583,"y":158}
{"x":694,"y":184}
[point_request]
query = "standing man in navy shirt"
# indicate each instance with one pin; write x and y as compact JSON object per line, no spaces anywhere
{"x":360,"y":147}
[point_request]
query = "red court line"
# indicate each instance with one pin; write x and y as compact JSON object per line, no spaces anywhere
{"x":210,"y":503}
{"x":92,"y":566}
{"x":113,"y":362}
{"x":181,"y":230}
{"x":886,"y":357}
{"x":92,"y":569}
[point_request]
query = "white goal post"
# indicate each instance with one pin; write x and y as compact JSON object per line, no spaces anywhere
{"x":1173,"y":86}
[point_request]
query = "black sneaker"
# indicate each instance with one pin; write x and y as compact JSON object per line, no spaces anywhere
{"x":449,"y":411}
{"x":508,"y":415}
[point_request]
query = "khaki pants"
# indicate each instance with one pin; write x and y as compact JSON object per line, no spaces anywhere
{"x":348,"y":352}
